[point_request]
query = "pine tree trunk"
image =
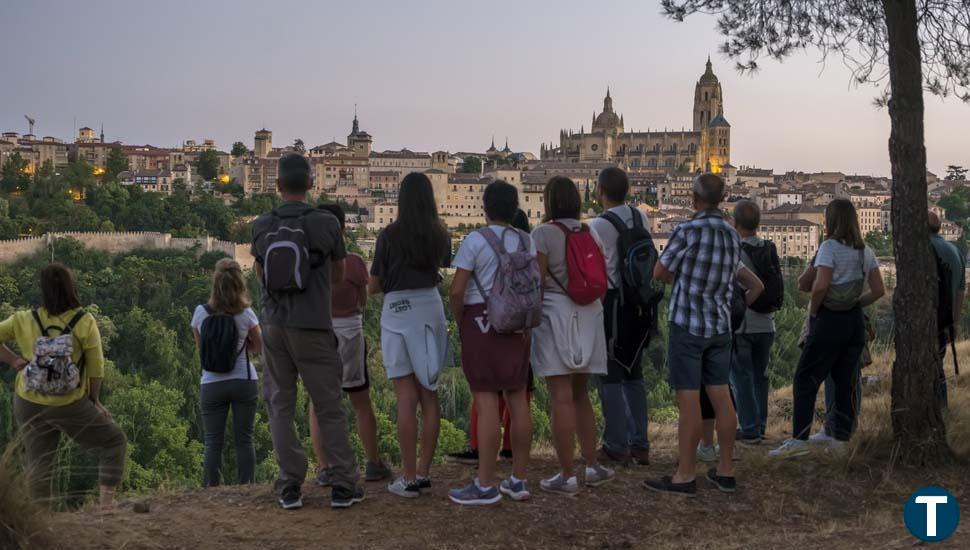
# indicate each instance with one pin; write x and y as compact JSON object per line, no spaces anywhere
{"x":917,"y":419}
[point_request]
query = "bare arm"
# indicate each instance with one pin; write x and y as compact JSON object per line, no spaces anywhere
{"x":255,"y":340}
{"x":877,"y":289}
{"x":456,"y":295}
{"x":823,"y":279}
{"x":752,"y":285}
{"x":337,"y":270}
{"x":807,"y":278}
{"x":198,"y":341}
{"x":662,"y":274}
{"x":374,"y":285}
{"x":543,"y":267}
{"x":14,"y":360}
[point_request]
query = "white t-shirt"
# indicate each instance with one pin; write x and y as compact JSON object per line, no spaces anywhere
{"x":244,"y":321}
{"x":477,"y":256}
{"x":608,"y":236}
{"x":844,"y":261}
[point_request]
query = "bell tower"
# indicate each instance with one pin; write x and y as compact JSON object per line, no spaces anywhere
{"x":708,"y":100}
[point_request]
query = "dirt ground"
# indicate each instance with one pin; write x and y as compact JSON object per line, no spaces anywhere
{"x":808,"y":503}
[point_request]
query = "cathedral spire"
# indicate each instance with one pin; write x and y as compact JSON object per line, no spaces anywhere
{"x":102,"y":132}
{"x":356,"y":127}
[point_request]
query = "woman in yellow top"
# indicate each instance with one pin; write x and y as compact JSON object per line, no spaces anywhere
{"x":79,"y":414}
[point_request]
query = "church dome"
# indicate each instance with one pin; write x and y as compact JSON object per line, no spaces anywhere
{"x":607,"y":119}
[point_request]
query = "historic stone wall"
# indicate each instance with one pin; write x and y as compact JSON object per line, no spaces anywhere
{"x":116,"y":242}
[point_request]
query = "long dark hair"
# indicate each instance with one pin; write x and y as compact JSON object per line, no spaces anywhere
{"x":562,"y":200}
{"x":418,"y":235}
{"x":842,"y":224}
{"x":58,"y":290}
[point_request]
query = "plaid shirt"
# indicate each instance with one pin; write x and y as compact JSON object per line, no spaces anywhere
{"x":704,"y":255}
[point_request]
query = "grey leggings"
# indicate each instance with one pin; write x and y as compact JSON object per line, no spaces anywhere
{"x":216,"y":398}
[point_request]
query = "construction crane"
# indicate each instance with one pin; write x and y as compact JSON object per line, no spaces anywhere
{"x":30,"y":122}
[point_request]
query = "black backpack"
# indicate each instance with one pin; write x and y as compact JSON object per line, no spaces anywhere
{"x":218,"y":337}
{"x":767,"y":267}
{"x":634,"y":318}
{"x":945,"y":321}
{"x":286,"y":259}
{"x":739,"y":307}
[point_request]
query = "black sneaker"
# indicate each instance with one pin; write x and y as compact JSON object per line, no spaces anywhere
{"x":342,"y":497}
{"x":666,"y":485}
{"x":724,"y":484}
{"x":291,"y":498}
{"x":468,"y":456}
{"x":506,"y":454}
{"x":424,"y":485}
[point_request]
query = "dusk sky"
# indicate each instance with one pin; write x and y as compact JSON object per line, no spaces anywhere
{"x":427,"y":75}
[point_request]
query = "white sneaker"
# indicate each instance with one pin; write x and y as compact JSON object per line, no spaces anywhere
{"x":598,"y":475}
{"x":561,"y":485}
{"x":791,"y":448}
{"x":709,"y":454}
{"x":820,"y":437}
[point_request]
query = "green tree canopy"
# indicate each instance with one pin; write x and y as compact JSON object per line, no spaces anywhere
{"x":116,"y":163}
{"x":238,"y":149}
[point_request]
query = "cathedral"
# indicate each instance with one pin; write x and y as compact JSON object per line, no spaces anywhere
{"x":707,"y":147}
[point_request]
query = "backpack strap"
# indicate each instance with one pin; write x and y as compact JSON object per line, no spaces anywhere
{"x":43,"y":329}
{"x":567,"y":232}
{"x":637,"y":219}
{"x":498,"y":247}
{"x":615,"y":221}
{"x":74,"y":321}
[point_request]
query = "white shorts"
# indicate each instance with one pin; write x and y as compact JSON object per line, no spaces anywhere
{"x":414,"y":335}
{"x":352,"y":348}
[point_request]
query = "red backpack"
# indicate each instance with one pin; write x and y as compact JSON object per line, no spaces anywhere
{"x":585,"y":265}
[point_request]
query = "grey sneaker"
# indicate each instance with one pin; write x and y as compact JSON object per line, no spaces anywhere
{"x":324,"y":478}
{"x":376,"y":471}
{"x":791,"y":448}
{"x":404,"y":488}
{"x":518,"y":490}
{"x":560,"y":485}
{"x":598,"y":475}
{"x":709,"y":454}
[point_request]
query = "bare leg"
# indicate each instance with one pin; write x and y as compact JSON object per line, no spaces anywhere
{"x":517,"y":407}
{"x":430,"y":426}
{"x":707,"y":433}
{"x":366,"y":424}
{"x":406,"y":391}
{"x":488,"y":436}
{"x":688,"y":434}
{"x":317,"y":441}
{"x":563,"y":421}
{"x":727,"y":424}
{"x":585,"y":418}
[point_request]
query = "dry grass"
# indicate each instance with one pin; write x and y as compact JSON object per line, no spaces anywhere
{"x":21,"y":522}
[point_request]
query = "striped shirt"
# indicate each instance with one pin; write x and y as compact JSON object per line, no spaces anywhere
{"x":704,"y":255}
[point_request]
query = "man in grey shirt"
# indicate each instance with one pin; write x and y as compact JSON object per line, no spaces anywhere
{"x":752,"y":341}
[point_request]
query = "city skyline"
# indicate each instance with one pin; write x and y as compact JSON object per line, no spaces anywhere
{"x":161,"y":74}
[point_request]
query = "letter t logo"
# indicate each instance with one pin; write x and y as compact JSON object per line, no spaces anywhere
{"x":930,"y":502}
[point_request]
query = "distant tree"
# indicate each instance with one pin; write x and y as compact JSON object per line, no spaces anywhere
{"x":472,"y":165}
{"x":116,"y":163}
{"x":13,"y":174}
{"x":208,"y":164}
{"x":298,"y":146}
{"x":239,"y":149}
{"x":881,"y":243}
{"x":955,"y":173}
{"x":920,"y":45}
{"x":80,"y":176}
{"x":955,"y":205}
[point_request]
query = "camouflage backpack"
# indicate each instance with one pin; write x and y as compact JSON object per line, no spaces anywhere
{"x":52,"y":371}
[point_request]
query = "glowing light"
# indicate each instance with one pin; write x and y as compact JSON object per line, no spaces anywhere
{"x":224,"y":178}
{"x":98,"y":171}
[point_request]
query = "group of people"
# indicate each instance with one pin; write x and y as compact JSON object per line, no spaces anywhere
{"x":570,"y":302}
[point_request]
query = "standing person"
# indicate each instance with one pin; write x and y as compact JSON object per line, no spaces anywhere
{"x":414,"y":332}
{"x":44,"y":412}
{"x":470,"y":455}
{"x":495,"y":363}
{"x":753,"y":339}
{"x":348,"y":301}
{"x":623,"y":394}
{"x":836,"y":327}
{"x":299,"y":254}
{"x":570,"y":344}
{"x":226,"y":330}
{"x":703,"y":261}
{"x":952,"y":276}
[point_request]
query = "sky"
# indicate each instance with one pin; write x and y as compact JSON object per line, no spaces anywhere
{"x":427,"y":75}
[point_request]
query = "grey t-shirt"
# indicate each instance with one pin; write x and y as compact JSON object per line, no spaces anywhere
{"x":754,"y":322}
{"x":608,"y":237}
{"x":844,"y":261}
{"x":551,"y":241}
{"x":310,"y":309}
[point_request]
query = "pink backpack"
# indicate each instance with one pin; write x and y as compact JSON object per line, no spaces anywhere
{"x":515,"y":302}
{"x":585,"y":265}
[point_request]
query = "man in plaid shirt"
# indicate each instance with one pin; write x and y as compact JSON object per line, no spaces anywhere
{"x":703,"y":261}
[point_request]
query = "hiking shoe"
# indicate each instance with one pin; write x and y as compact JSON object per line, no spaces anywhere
{"x":324,"y":478}
{"x":468,"y":456}
{"x":505,"y":454}
{"x":820,"y":436}
{"x":791,"y":448}
{"x":709,"y":454}
{"x":345,"y":498}
{"x":725,"y":484}
{"x":560,"y":485}
{"x":424,"y":485}
{"x":598,"y":474}
{"x":473,"y":495}
{"x":376,"y":471}
{"x":603,"y":454}
{"x":666,"y":485}
{"x":515,"y":490}
{"x":746,"y":439}
{"x":640,"y":457}
{"x":404,"y":488}
{"x":291,"y":498}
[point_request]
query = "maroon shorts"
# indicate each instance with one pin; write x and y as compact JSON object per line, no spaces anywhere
{"x":491,"y":361}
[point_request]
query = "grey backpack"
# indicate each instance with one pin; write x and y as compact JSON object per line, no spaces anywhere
{"x":52,"y":371}
{"x":515,"y":301}
{"x":286,"y":256}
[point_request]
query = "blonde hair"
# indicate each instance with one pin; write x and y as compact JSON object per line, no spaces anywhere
{"x":229,"y":292}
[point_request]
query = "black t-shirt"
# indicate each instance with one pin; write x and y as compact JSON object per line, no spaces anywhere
{"x":394,"y":275}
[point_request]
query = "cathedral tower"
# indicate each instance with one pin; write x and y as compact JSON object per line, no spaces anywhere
{"x":708,"y":100}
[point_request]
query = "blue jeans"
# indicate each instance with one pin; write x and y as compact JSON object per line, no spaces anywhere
{"x":749,"y":378}
{"x":624,"y":415}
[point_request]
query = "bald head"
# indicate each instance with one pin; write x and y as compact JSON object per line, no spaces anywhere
{"x":708,"y":190}
{"x":934,"y":222}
